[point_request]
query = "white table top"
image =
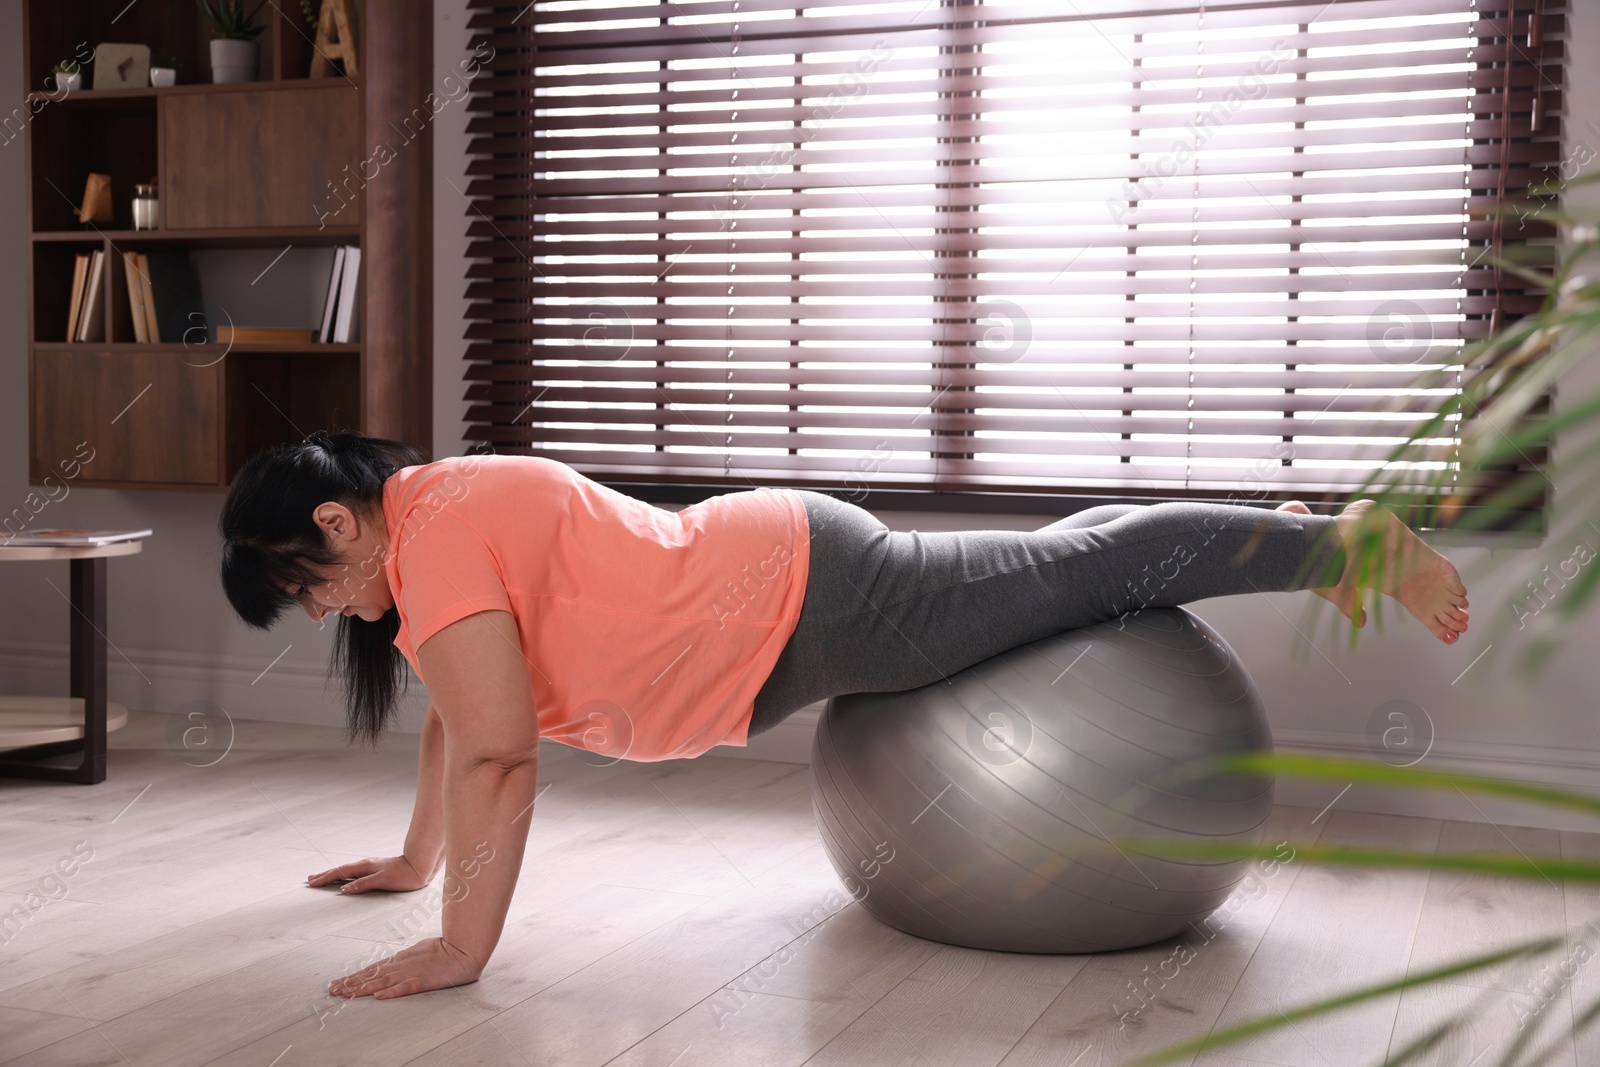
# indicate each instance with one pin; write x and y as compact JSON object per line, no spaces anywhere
{"x":16,"y":553}
{"x":27,"y":721}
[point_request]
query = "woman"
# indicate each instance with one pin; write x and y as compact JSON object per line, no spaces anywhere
{"x":534,"y":602}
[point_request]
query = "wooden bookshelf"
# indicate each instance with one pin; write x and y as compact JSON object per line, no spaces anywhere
{"x":273,"y":163}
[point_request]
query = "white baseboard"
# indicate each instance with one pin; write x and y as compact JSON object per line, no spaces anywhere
{"x":254,"y":687}
{"x":247,"y":687}
{"x":1577,"y":770}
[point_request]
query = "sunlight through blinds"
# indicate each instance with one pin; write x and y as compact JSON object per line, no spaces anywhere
{"x":1000,"y":247}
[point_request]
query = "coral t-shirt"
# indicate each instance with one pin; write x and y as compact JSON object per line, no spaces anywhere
{"x":647,"y":633}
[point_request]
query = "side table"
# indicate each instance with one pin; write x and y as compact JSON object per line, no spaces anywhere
{"x":36,"y":728}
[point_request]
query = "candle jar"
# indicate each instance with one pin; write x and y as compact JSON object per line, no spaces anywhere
{"x":146,"y":207}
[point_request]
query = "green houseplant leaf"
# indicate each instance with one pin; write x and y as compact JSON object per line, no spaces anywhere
{"x":228,"y":18}
{"x":1495,"y":413}
{"x":1290,"y":1016}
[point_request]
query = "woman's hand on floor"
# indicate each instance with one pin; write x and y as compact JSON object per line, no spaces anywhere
{"x":394,"y":873}
{"x":430,"y":964}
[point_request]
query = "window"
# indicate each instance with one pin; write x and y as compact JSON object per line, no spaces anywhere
{"x":990,"y":252}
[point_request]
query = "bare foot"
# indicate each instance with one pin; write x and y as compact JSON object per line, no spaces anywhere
{"x":1422,"y":580}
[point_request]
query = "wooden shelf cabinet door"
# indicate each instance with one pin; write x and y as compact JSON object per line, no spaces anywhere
{"x":217,"y":146}
{"x":152,"y":417}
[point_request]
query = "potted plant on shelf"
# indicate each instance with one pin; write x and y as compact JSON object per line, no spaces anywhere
{"x":233,"y":49}
{"x":164,"y":70}
{"x":68,"y":76}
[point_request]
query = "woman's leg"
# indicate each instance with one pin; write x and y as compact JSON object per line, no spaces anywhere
{"x":887,"y":610}
{"x":1091,"y":516}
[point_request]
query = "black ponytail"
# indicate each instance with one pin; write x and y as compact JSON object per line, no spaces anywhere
{"x":270,"y":543}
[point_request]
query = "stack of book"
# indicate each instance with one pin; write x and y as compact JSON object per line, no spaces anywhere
{"x":229,"y":334}
{"x":340,"y":310}
{"x":86,"y":321}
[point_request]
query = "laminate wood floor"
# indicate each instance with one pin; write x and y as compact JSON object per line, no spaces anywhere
{"x":684,"y":913}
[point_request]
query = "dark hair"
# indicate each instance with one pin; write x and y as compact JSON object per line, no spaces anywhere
{"x":270,"y":542}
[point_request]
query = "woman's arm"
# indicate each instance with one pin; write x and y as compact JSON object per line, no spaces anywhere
{"x":424,"y":847}
{"x":478,"y":679}
{"x":425,"y":838}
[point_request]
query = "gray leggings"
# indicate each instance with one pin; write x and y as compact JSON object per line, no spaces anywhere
{"x":886,"y":610}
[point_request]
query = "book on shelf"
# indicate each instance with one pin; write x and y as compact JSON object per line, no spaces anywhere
{"x":330,"y":301}
{"x":67,"y":538}
{"x":80,"y":271}
{"x":92,"y":317}
{"x":147,"y":298}
{"x":347,"y":317}
{"x":175,"y":295}
{"x":165,"y":306}
{"x":255,"y":335}
{"x":130,"y":272}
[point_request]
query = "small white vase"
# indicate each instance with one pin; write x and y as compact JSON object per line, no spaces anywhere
{"x":160,"y":76}
{"x":233,"y":60}
{"x":68,"y":83}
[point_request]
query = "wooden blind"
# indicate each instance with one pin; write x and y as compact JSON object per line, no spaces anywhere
{"x":1009,"y":247}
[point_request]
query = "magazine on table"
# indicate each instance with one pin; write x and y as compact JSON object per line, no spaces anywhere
{"x":68,"y":538}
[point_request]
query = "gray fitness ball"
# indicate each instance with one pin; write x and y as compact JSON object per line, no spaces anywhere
{"x":976,"y":811}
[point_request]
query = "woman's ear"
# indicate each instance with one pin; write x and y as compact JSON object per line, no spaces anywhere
{"x":336,"y":521}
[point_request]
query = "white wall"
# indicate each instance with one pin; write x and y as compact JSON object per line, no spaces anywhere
{"x":176,"y":640}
